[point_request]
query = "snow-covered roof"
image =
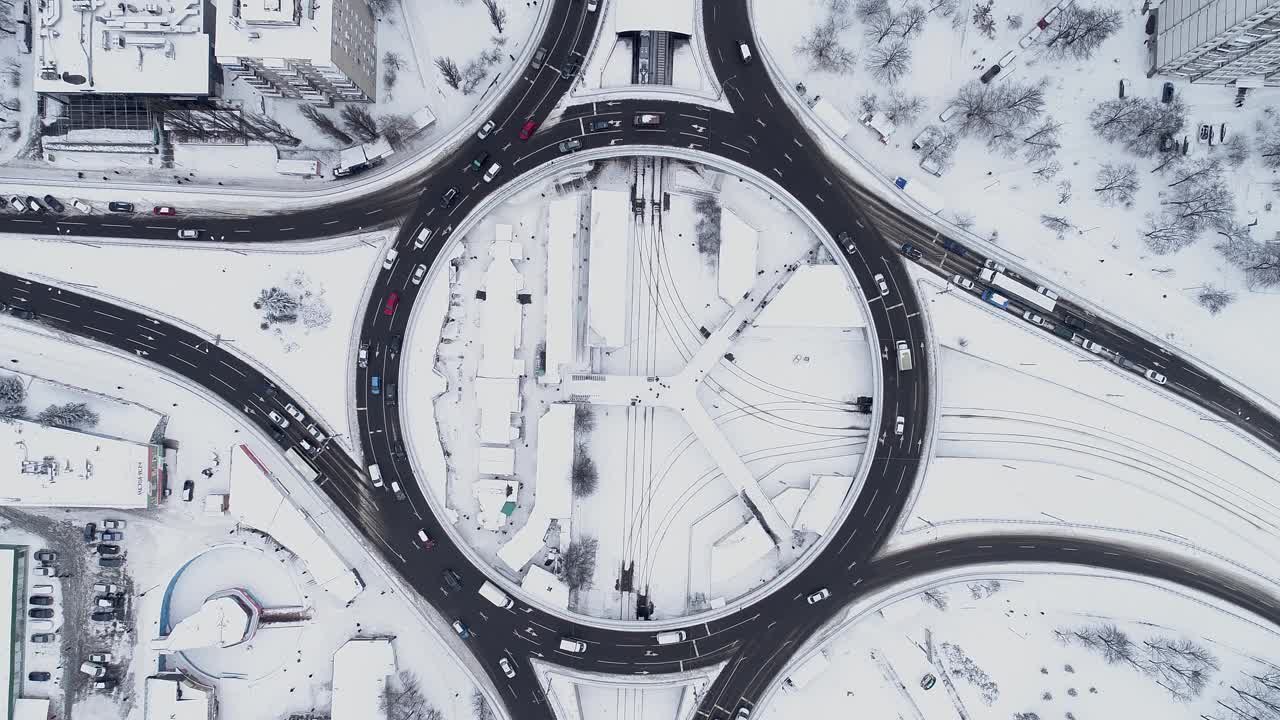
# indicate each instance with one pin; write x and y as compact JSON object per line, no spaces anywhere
{"x":737,"y":267}
{"x":560,"y":265}
{"x":736,"y":551}
{"x":49,"y":466}
{"x":545,"y":586}
{"x":492,"y":496}
{"x":220,"y":622}
{"x":8,"y":591}
{"x":120,"y":48}
{"x":606,"y":295}
{"x":173,"y":697}
{"x":360,"y":670}
{"x":552,"y":495}
{"x":500,"y":316}
{"x":826,"y":496}
{"x":497,"y":461}
{"x":832,"y":117}
{"x":815,"y":296}
{"x":674,"y":16}
{"x":259,"y":503}
{"x":29,"y":709}
{"x":498,"y":399}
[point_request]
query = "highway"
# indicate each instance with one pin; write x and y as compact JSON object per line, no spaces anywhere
{"x":760,"y":134}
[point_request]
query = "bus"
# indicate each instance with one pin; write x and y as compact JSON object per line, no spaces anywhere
{"x":1017,"y":290}
{"x":303,"y":467}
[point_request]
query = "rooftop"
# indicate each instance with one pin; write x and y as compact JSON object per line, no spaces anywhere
{"x":57,"y":467}
{"x":174,"y":697}
{"x":606,"y":297}
{"x":360,"y":670}
{"x":8,"y":591}
{"x":100,"y":47}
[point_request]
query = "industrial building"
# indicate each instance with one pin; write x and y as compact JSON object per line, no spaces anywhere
{"x":1217,"y":42}
{"x":61,"y":467}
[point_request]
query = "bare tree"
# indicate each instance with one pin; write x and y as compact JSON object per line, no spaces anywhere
{"x":1079,"y":31}
{"x":1181,"y":666}
{"x":1013,"y":22}
{"x":9,"y":413}
{"x":1048,"y":171}
{"x":1000,"y":111}
{"x":382,"y":8}
{"x":1255,"y":696}
{"x":403,"y":699}
{"x":324,"y":123}
{"x":497,"y":15}
{"x":943,"y":8}
{"x":1198,"y":198}
{"x":397,"y":128}
{"x":1138,"y":123}
{"x":822,"y":47}
{"x":1237,"y":151}
{"x":449,"y":71}
{"x":1064,"y":192}
{"x":359,"y":121}
{"x":579,"y":563}
{"x":1041,"y":143}
{"x":942,"y":149}
{"x":12,"y":72}
{"x":963,"y":220}
{"x":1117,"y":183}
{"x":584,"y":475}
{"x":1260,"y":261}
{"x":889,"y":64}
{"x":12,"y":104}
{"x":882,"y":27}
{"x":473,"y":74}
{"x":983,"y":20}
{"x":1269,"y":140}
{"x":480,"y":707}
{"x":935,"y":598}
{"x":864,"y":10}
{"x":1214,"y":299}
{"x":963,"y":667}
{"x":912,"y":21}
{"x":903,"y":109}
{"x":867,"y":103}
{"x":392,"y":64}
{"x":1165,"y":233}
{"x":1058,"y":224}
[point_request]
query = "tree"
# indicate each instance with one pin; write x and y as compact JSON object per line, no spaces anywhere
{"x":822,"y":47}
{"x":12,"y":104}
{"x":889,"y":64}
{"x":942,"y":149}
{"x":584,"y":474}
{"x":1214,"y":299}
{"x":903,"y":109}
{"x":324,"y":123}
{"x":1138,"y":123}
{"x":71,"y":415}
{"x":864,"y":10}
{"x":1014,"y":22}
{"x":382,"y":8}
{"x":867,"y":102}
{"x":277,"y":305}
{"x":1269,"y":140}
{"x":579,"y":563}
{"x":1255,"y":696}
{"x":392,"y":64}
{"x":883,"y":26}
{"x":449,"y":71}
{"x":983,"y":21}
{"x":1117,"y":183}
{"x":359,"y":121}
{"x":1260,"y":261}
{"x":12,"y":390}
{"x":1058,"y":224}
{"x":584,"y":418}
{"x":396,"y":128}
{"x":1000,"y":111}
{"x":12,"y":72}
{"x":1182,"y":667}
{"x":1198,"y":200}
{"x":1079,"y":31}
{"x":943,"y":8}
{"x":473,"y":74}
{"x":1041,"y":143}
{"x":402,"y":699}
{"x":1064,"y":192}
{"x":480,"y":707}
{"x":9,"y":413}
{"x":1049,"y":171}
{"x":1166,"y":234}
{"x":1237,"y":151}
{"x":497,"y":15}
{"x":935,"y":598}
{"x":912,"y":21}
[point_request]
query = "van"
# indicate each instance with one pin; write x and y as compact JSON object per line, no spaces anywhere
{"x":390,"y":259}
{"x":572,"y":645}
{"x":490,"y":592}
{"x":904,"y":356}
{"x":671,"y":638}
{"x":42,"y":589}
{"x":423,"y":236}
{"x":375,"y":474}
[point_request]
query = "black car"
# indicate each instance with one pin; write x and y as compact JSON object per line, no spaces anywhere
{"x":598,"y":125}
{"x":452,"y":578}
{"x":120,"y":207}
{"x":911,"y":251}
{"x":40,"y":613}
{"x":188,"y":490}
{"x":991,"y":72}
{"x":954,"y":247}
{"x":449,"y":198}
{"x":22,"y":313}
{"x":478,"y":161}
{"x":278,"y":435}
{"x":38,"y":676}
{"x":1166,"y":93}
{"x":103,"y":615}
{"x":269,"y":389}
{"x":108,"y":549}
{"x":42,"y":638}
{"x":40,"y":599}
{"x":568,"y":71}
{"x":55,"y":204}
{"x":393,"y":345}
{"x":46,"y":556}
{"x":1075,"y":322}
{"x":569,"y":146}
{"x":90,"y":532}
{"x":111,"y":562}
{"x":846,"y":242}
{"x":104,"y":684}
{"x":391,"y":394}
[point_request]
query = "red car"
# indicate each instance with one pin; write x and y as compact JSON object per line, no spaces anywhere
{"x":163,"y":210}
{"x":526,"y":132}
{"x":392,"y":300}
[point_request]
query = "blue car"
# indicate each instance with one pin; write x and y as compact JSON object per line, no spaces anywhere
{"x":375,"y":384}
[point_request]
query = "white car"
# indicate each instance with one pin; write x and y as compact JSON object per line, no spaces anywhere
{"x":1030,"y":37}
{"x":1093,"y":347}
{"x":963,"y":282}
{"x":1046,"y":292}
{"x":275,"y":418}
{"x":306,"y":446}
{"x":294,"y":412}
{"x":421,"y":241}
{"x":884,"y":287}
{"x":81,"y":205}
{"x":110,"y":524}
{"x":1033,"y":318}
{"x":492,"y":172}
{"x":1008,"y":58}
{"x":419,"y":273}
{"x":899,"y":424}
{"x":485,"y":130}
{"x":506,"y":667}
{"x":315,"y":433}
{"x":188,"y":234}
{"x":1155,"y":377}
{"x":592,"y":5}
{"x":390,"y":259}
{"x":818,"y":596}
{"x":993,"y":265}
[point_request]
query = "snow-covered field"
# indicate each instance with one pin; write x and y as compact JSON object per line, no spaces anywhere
{"x":1030,"y":642}
{"x":1101,"y":255}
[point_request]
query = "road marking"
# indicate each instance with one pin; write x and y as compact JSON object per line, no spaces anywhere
{"x":233,"y":368}
{"x":824,"y":202}
{"x":735,"y":147}
{"x":90,"y":327}
{"x":331,"y":222}
{"x":691,"y":135}
{"x":64,"y":302}
{"x":286,"y":229}
{"x":244,"y":231}
{"x":175,"y":357}
{"x":788,"y":157}
{"x":894,"y":307}
{"x":158,"y":227}
{"x":224,"y":382}
{"x":779,"y":172}
{"x":766,"y":99}
{"x":374,"y":211}
{"x":113,"y":317}
{"x":139,"y":342}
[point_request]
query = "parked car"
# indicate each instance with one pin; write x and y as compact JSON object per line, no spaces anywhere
{"x":54,"y":204}
{"x":990,"y":73}
{"x":188,"y":491}
{"x":105,"y":602}
{"x":108,"y":549}
{"x":1166,"y":93}
{"x":42,"y":638}
{"x":120,"y":207}
{"x":106,"y":588}
{"x":485,"y":129}
{"x":112,"y":562}
{"x":38,"y":676}
{"x":45,"y":600}
{"x":165,"y":210}
{"x":112,"y":536}
{"x":1126,"y":87}
{"x":40,"y":613}
{"x":17,"y":204}
{"x":112,"y":524}
{"x":569,"y":146}
{"x":46,"y":556}
{"x":45,"y":571}
{"x":34,"y":205}
{"x":90,"y":532}
{"x":104,"y":657}
{"x":103,"y":615}
{"x":81,"y":205}
{"x":104,"y":684}
{"x":528,"y":130}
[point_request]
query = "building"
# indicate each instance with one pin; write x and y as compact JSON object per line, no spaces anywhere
{"x":174,"y":696}
{"x":90,"y":46}
{"x":12,"y":589}
{"x":321,"y":51}
{"x":59,"y":467}
{"x":1218,"y":42}
{"x":360,"y":670}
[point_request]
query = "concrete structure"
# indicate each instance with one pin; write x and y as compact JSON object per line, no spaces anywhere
{"x":321,"y":52}
{"x":820,"y":508}
{"x":57,"y":467}
{"x":674,"y":16}
{"x":606,"y":289}
{"x":360,"y":670}
{"x":1218,"y":42}
{"x":174,"y":696}
{"x":226,"y":619}
{"x":552,"y":493}
{"x":561,"y":241}
{"x":498,"y":400}
{"x":120,"y":48}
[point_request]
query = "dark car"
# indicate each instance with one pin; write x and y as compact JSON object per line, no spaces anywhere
{"x":278,"y":435}
{"x":991,"y":72}
{"x":1075,"y":322}
{"x":538,"y":58}
{"x":55,"y":204}
{"x":478,"y":161}
{"x":111,"y":562}
{"x":1166,"y":93}
{"x":40,"y":613}
{"x":911,"y":251}
{"x":38,"y":676}
{"x":104,"y":684}
{"x":120,"y":207}
{"x":269,"y":389}
{"x":42,"y":638}
{"x":393,"y":345}
{"x":188,"y":493}
{"x":40,"y":600}
{"x":568,"y":71}
{"x":391,"y":393}
{"x":112,"y":536}
{"x":569,"y":146}
{"x":846,"y":241}
{"x":449,"y":198}
{"x":375,"y":385}
{"x":90,"y":532}
{"x":452,"y":578}
{"x":103,"y":615}
{"x":952,"y":246}
{"x":22,"y":313}
{"x":598,"y":125}
{"x":108,"y":549}
{"x":34,"y":205}
{"x":46,"y":556}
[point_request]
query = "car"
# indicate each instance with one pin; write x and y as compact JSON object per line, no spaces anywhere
{"x":1007,"y":58}
{"x":90,"y":532}
{"x":1166,"y":93}
{"x":993,"y":265}
{"x":45,"y":571}
{"x":478,"y":161}
{"x":884,"y":287}
{"x":105,"y":602}
{"x":592,"y":5}
{"x":188,"y":234}
{"x":492,"y":172}
{"x":22,"y":313}
{"x":269,"y":388}
{"x":46,"y":556}
{"x":396,"y":491}
{"x":362,"y":357}
{"x":449,"y":198}
{"x":963,"y":282}
{"x":461,"y":628}
{"x":911,"y":251}
{"x":452,"y":578}
{"x":485,"y":129}
{"x":899,"y":424}
{"x":954,"y":247}
{"x":375,"y":385}
{"x":743,"y":714}
{"x":1155,"y":377}
{"x":393,"y":345}
{"x":528,"y":129}
{"x":538,"y":58}
{"x":188,"y":491}
{"x":42,"y":638}
{"x":315,"y":433}
{"x":112,"y":562}
{"x":104,"y":657}
{"x":81,"y":205}
{"x":599,"y":125}
{"x":1126,"y":87}
{"x":113,"y":524}
{"x":647,"y":120}
{"x":106,"y":588}
{"x":306,"y":446}
{"x":389,"y":260}
{"x":991,"y":72}
{"x":38,"y":676}
{"x":109,"y":549}
{"x":294,"y":412}
{"x":818,"y":596}
{"x":845,"y":241}
{"x":1033,"y":318}
{"x":1075,"y":322}
{"x":104,"y":684}
{"x":568,"y":71}
{"x":927,"y":682}
{"x":1205,"y":133}
{"x":112,"y":536}
{"x":569,"y":146}
{"x":427,"y":541}
{"x":17,"y":204}
{"x":40,"y":600}
{"x":54,"y":204}
{"x":1030,"y":37}
{"x":420,"y":241}
{"x":505,"y":665}
{"x":34,"y":205}
{"x":1094,"y":347}
{"x":393,"y":299}
{"x":744,"y":51}
{"x":42,"y":589}
{"x":1048,"y":18}
{"x":40,"y":613}
{"x":103,"y":615}
{"x":120,"y":207}
{"x":419,"y":273}
{"x":166,"y":210}
{"x":277,"y":419}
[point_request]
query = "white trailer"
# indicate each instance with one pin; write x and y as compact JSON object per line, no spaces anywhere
{"x":804,"y":673}
{"x":832,"y":117}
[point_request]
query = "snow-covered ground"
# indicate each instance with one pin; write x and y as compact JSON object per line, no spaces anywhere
{"x":283,"y":670}
{"x":214,"y":288}
{"x":1101,"y":256}
{"x":1010,"y":642}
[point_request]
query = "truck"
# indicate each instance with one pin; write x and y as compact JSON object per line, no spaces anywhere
{"x":996,"y":299}
{"x":806,"y":671}
{"x":300,"y":464}
{"x":835,"y":120}
{"x":921,"y":193}
{"x":904,"y":356}
{"x":362,"y":157}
